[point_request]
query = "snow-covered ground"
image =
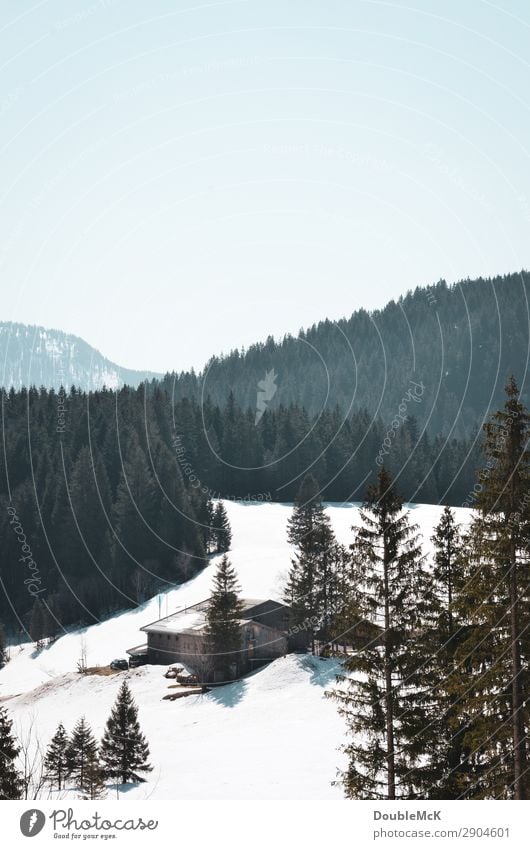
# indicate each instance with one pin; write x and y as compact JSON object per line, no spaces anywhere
{"x":271,"y":735}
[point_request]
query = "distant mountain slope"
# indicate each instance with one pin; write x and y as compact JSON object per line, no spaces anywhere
{"x":458,"y":343}
{"x":450,"y":346}
{"x":31,"y":355}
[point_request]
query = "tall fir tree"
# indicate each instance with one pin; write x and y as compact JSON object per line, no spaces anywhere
{"x":81,"y":750}
{"x":207,"y":521}
{"x":221,"y":531}
{"x":3,"y":652}
{"x":449,"y":756}
{"x":447,"y":549}
{"x":223,"y":630}
{"x":11,"y":784}
{"x":494,"y":601}
{"x":124,"y":750}
{"x":309,"y":590}
{"x":308,"y":515}
{"x":56,"y":759}
{"x":384,"y":701}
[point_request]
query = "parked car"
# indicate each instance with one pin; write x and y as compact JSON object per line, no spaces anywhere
{"x":137,"y":660}
{"x":119,"y":664}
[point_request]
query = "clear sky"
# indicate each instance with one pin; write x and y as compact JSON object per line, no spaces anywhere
{"x":182,"y":178}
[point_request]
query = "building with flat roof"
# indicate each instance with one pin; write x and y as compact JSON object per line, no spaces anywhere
{"x":181,"y":637}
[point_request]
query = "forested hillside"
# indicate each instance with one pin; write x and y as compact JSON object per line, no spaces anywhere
{"x":104,"y":496}
{"x":95,"y":514}
{"x":460,"y":341}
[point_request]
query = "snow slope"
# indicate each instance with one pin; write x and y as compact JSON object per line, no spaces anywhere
{"x":271,"y":735}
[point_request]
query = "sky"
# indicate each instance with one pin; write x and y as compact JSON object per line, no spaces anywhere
{"x":182,"y":178}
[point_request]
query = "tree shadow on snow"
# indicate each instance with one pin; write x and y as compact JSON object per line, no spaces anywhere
{"x":229,"y":695}
{"x":323,"y":671}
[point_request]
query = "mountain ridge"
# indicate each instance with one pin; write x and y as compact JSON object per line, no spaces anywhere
{"x":33,"y":355}
{"x":459,"y":341}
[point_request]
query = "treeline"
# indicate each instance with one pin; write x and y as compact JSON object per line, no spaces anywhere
{"x":460,"y":341}
{"x":222,"y":449}
{"x":436,"y":693}
{"x":106,"y":497}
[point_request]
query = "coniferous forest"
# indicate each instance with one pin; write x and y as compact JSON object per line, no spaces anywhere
{"x":459,"y":341}
{"x":110,"y":491}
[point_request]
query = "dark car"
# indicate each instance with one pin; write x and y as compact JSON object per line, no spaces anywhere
{"x":137,"y":660}
{"x":119,"y":664}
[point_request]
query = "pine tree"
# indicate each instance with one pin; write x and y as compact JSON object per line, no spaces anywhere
{"x":494,"y":694}
{"x":81,"y":750}
{"x":384,"y":706}
{"x":56,"y":760}
{"x":124,"y":750}
{"x":3,"y":658}
{"x":309,"y":589}
{"x":446,"y":542}
{"x":308,"y":515}
{"x":11,"y":784}
{"x":222,"y":533}
{"x":37,"y":624}
{"x":223,"y":629}
{"x":344,"y":616}
{"x":94,"y":779}
{"x":449,"y":756}
{"x":207,"y":519}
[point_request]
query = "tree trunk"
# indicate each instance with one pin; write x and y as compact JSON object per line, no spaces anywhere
{"x":519,"y":743}
{"x":450,"y":598}
{"x":391,"y":778}
{"x":519,"y":748}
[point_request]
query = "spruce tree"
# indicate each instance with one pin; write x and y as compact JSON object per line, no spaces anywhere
{"x":384,"y":700}
{"x":37,"y":624}
{"x":446,"y":542}
{"x":207,"y":519}
{"x":344,"y":616}
{"x":223,"y":630}
{"x":3,"y":658}
{"x":222,"y":533}
{"x":56,"y":760}
{"x":94,"y":779}
{"x":11,"y":784}
{"x":449,"y":755}
{"x":81,"y":750}
{"x":124,"y":750}
{"x":494,"y":600}
{"x":309,"y":590}
{"x":308,"y":515}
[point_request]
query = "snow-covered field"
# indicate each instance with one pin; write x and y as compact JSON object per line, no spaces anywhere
{"x":272,"y":735}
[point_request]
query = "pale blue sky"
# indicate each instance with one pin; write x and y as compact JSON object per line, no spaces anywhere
{"x":180,"y":178}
